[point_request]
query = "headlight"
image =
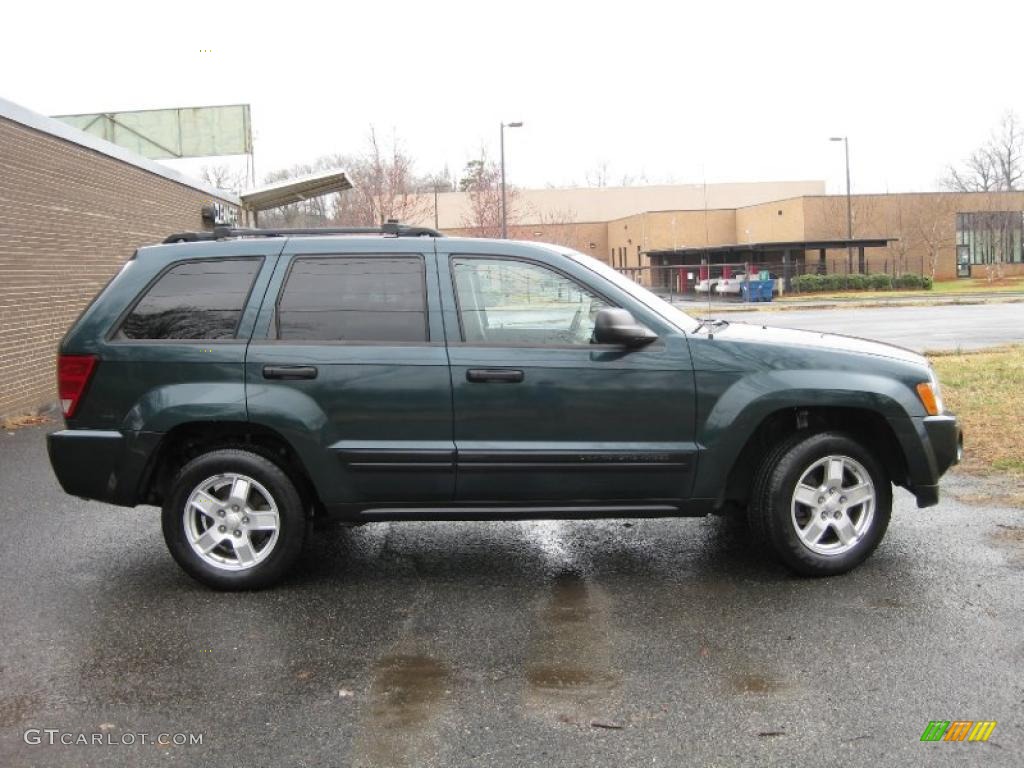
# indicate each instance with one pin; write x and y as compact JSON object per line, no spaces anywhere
{"x":931,"y":395}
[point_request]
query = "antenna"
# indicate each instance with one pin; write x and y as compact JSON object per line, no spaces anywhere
{"x":707,"y":241}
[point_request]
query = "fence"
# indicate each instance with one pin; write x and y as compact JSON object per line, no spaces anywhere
{"x":722,"y":281}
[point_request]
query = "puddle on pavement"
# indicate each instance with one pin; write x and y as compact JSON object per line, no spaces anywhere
{"x":558,"y":677}
{"x":406,"y":695}
{"x":16,"y":709}
{"x":569,"y":672}
{"x":755,"y":683}
{"x":1010,"y":537}
{"x":406,"y":688}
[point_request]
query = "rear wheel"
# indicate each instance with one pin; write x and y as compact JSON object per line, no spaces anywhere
{"x":821,"y":503}
{"x":234,"y":520}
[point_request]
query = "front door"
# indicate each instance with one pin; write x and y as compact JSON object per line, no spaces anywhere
{"x":348,"y":362}
{"x":542,"y":413}
{"x":963,"y":261}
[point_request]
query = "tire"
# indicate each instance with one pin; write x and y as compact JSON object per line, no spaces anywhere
{"x":821,"y":503}
{"x":233,"y":546}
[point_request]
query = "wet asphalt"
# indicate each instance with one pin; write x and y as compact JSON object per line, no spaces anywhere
{"x":938,"y":328}
{"x":610,"y":643}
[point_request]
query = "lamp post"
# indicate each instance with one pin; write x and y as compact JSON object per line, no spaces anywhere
{"x":849,"y":205}
{"x":504,"y":214}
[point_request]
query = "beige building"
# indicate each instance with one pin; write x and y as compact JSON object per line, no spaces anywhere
{"x":73,"y":209}
{"x":790,"y":227}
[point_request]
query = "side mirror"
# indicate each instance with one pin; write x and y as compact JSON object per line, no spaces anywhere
{"x":618,"y":326}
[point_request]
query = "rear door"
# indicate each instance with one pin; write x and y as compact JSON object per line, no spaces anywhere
{"x":175,"y":353}
{"x":349,"y":362}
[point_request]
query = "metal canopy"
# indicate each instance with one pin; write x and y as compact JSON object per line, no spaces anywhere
{"x":296,"y":190}
{"x":793,"y":245}
{"x":180,"y":132}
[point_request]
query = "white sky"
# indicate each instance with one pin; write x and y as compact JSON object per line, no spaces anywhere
{"x":678,"y":91}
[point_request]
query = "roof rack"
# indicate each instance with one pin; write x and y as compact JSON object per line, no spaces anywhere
{"x":392,"y":228}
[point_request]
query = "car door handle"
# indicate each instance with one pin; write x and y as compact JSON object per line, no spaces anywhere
{"x":289,"y":372}
{"x":484,"y":375}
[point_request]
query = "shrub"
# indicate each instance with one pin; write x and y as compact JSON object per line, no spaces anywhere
{"x":909,"y":281}
{"x":880,"y":282}
{"x":857,"y":282}
{"x":808,"y":283}
{"x":812,"y":283}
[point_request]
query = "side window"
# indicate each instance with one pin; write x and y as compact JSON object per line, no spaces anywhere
{"x":503,"y":301}
{"x":194,"y":300}
{"x":354,"y":298}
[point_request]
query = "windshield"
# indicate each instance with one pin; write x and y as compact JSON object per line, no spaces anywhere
{"x":672,"y":314}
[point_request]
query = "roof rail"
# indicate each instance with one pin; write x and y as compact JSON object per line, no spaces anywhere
{"x":392,"y":228}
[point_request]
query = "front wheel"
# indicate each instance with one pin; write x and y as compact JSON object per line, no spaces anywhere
{"x":821,"y":503}
{"x":234,"y":520}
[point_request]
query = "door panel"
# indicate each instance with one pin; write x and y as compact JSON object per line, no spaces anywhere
{"x":571,"y":421}
{"x":374,"y":414}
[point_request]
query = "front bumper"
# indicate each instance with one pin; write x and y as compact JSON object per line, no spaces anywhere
{"x":939,"y":446}
{"x":947,"y":441}
{"x":105,"y":465}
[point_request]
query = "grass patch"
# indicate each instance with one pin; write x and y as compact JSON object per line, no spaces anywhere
{"x":983,"y":389}
{"x":978,"y":285}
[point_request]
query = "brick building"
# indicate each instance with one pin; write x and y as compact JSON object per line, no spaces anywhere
{"x":73,"y":208}
{"x":943,"y":234}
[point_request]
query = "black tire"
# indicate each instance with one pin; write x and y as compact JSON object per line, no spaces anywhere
{"x":771,"y":510}
{"x":291,"y":526}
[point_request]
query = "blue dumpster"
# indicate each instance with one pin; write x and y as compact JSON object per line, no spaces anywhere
{"x":757,"y":290}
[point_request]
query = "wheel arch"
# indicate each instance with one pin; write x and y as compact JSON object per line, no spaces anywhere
{"x":865,"y":425}
{"x":188,"y":440}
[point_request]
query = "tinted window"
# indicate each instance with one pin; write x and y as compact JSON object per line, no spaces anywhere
{"x":515,"y":302}
{"x":354,"y":298}
{"x":194,"y":300}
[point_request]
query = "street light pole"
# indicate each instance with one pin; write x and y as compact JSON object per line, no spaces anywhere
{"x":849,"y":205}
{"x":504,"y":199}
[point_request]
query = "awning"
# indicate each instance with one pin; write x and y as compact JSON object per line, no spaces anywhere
{"x":296,"y":190}
{"x":793,"y":245}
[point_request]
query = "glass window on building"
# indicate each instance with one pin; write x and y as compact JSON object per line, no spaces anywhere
{"x":990,"y":237}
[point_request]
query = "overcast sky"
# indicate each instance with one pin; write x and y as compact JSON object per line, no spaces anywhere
{"x":677,"y":91}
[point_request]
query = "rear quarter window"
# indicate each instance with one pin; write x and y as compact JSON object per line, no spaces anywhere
{"x":193,"y":300}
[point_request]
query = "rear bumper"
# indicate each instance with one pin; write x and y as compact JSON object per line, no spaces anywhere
{"x":104,"y":465}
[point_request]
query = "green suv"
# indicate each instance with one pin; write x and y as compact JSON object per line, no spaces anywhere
{"x":252,"y":382}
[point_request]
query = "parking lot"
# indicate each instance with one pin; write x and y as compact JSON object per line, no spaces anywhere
{"x":665,"y":642}
{"x":940,"y":327}
{"x":932,"y":328}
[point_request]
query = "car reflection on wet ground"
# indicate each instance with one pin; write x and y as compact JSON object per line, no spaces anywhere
{"x":665,"y":642}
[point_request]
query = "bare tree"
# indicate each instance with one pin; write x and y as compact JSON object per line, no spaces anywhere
{"x":925,"y":225}
{"x":481,"y":181}
{"x":558,"y":227}
{"x":386,"y":186}
{"x":994,"y":238}
{"x":440,"y":181}
{"x":997,"y":165}
{"x":598,"y":175}
{"x":223,"y":176}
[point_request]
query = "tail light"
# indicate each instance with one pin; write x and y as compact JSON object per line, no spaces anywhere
{"x":73,"y":374}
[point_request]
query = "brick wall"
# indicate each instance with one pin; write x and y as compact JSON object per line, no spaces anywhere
{"x":69,"y":218}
